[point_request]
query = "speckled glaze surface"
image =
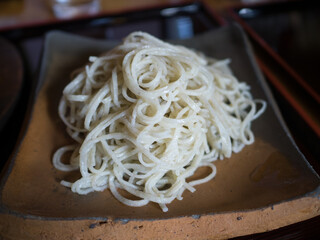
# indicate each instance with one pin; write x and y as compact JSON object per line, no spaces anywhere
{"x":267,"y":185}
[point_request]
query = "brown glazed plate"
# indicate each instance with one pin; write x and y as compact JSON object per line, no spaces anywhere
{"x":269,"y":184}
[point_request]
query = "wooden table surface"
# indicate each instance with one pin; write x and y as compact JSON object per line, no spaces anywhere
{"x":19,"y":13}
{"x":15,"y":13}
{"x":26,"y":12}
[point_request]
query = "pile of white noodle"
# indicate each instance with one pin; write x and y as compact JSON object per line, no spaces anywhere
{"x":147,"y":114}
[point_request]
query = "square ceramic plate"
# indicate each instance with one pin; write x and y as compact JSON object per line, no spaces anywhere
{"x":267,"y":185}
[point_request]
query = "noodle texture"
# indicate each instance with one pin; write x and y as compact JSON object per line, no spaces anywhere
{"x":146,"y":115}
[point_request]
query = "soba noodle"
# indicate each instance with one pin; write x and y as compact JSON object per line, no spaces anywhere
{"x":147,"y":114}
